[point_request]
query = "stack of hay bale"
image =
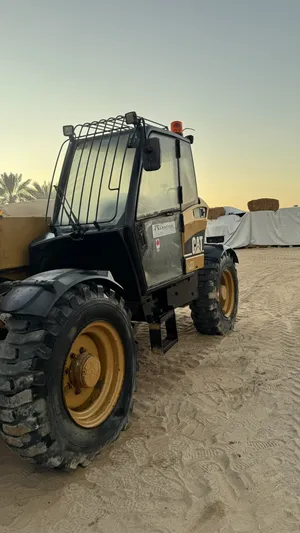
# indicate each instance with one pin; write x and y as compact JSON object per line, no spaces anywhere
{"x":215,"y":212}
{"x":263,"y":204}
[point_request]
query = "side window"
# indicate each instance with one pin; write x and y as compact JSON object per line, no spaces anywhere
{"x":187,"y":175}
{"x":159,"y":189}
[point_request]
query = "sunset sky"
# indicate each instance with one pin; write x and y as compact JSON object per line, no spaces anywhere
{"x":230,"y":69}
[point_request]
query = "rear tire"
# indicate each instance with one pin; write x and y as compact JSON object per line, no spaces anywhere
{"x":213,"y":314}
{"x":34,"y":418}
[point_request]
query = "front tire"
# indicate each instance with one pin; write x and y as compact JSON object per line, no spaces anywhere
{"x":59,"y":404}
{"x":214,"y":311}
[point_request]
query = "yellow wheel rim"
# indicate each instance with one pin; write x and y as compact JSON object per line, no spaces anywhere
{"x":93,"y":374}
{"x":227,"y":293}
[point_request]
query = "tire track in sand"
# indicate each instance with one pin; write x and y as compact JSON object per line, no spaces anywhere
{"x":215,"y":438}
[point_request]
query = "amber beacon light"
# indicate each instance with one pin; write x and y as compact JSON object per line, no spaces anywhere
{"x":176,"y":127}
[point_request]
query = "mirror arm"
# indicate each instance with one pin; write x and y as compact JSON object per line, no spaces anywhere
{"x":142,"y":122}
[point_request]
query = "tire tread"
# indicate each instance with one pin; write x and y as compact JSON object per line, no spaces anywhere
{"x":24,"y":422}
{"x":205,"y":310}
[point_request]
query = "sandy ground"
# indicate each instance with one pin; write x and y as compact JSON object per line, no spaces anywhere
{"x":215,"y":439}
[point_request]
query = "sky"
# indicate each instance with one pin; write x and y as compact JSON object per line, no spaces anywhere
{"x":230,"y":69}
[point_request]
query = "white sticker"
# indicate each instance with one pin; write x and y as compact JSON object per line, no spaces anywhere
{"x":166,"y":228}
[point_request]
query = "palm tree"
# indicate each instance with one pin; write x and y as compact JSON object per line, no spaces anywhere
{"x":41,"y":192}
{"x":13,"y":189}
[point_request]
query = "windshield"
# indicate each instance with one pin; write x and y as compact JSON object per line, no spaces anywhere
{"x":99,"y":178}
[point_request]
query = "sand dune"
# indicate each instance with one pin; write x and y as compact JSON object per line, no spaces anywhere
{"x":215,"y":438}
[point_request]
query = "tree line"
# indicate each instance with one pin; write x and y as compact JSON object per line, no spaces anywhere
{"x":13,"y":189}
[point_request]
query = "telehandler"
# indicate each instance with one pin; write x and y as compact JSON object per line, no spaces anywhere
{"x":124,"y":244}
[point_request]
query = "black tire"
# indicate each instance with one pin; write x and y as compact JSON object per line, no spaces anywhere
{"x":33,"y":418}
{"x":207,"y":313}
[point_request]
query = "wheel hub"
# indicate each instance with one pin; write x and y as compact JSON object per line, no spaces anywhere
{"x":85,"y":371}
{"x":227,"y":293}
{"x":93,"y":374}
{"x":223,"y":292}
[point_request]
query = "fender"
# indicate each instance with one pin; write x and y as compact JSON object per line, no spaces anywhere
{"x":37,"y":294}
{"x":215,"y":251}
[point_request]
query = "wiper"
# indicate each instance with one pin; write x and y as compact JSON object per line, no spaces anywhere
{"x":78,"y":229}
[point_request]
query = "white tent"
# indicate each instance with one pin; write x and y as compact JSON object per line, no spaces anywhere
{"x":260,"y":228}
{"x":223,"y":226}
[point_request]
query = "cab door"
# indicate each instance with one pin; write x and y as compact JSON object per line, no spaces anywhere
{"x":158,"y":218}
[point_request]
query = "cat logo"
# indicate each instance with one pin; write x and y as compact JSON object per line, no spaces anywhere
{"x":197,"y":245}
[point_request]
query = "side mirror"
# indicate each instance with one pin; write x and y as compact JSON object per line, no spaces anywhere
{"x":152,"y":155}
